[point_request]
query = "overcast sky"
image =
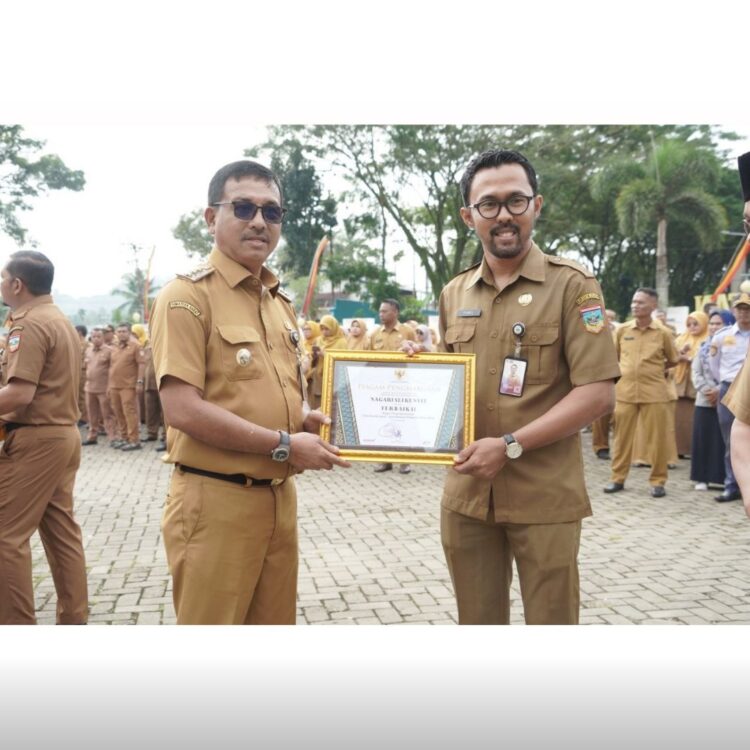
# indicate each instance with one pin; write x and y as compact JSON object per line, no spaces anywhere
{"x":149,"y":110}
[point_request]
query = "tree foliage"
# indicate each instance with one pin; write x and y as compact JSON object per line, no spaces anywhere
{"x":192,"y":232}
{"x":27,"y":174}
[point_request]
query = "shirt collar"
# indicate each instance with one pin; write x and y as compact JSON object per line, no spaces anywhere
{"x":532,"y":268}
{"x":234,"y":273}
{"x":20,"y":312}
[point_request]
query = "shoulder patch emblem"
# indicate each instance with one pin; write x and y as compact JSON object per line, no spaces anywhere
{"x":593,"y":318}
{"x":179,"y":303}
{"x":14,"y":342}
{"x":199,"y":272}
{"x":588,"y":296}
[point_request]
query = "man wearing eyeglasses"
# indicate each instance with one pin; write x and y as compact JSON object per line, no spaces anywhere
{"x":227,"y":360}
{"x":518,"y":491}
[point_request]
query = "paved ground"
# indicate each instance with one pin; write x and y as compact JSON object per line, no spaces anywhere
{"x":370,"y":548}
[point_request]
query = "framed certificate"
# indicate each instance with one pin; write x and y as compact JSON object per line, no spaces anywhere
{"x":387,"y":407}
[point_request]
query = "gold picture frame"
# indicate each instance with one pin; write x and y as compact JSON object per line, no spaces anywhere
{"x":389,"y":407}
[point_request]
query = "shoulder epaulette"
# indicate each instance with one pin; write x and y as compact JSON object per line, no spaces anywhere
{"x":556,"y":260}
{"x":198,"y":273}
{"x":281,"y":293}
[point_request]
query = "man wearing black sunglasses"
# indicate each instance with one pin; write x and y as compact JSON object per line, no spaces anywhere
{"x":227,"y":360}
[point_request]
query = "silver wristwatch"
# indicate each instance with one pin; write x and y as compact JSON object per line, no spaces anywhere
{"x":513,"y":449}
{"x":282,"y":450}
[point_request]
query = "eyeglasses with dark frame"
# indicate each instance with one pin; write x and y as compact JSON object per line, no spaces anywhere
{"x":246,"y":210}
{"x":490,"y":208}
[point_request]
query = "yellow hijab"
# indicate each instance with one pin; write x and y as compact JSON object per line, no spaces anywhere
{"x":336,"y":340}
{"x":315,"y":331}
{"x":357,"y":342}
{"x":693,"y":341}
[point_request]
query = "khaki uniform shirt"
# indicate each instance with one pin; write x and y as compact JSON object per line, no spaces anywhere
{"x":97,"y":368}
{"x":123,"y":367}
{"x":644,"y":354}
{"x":43,"y":348}
{"x":230,"y":334}
{"x":737,"y":399}
{"x":566,"y":344}
{"x":390,"y":341}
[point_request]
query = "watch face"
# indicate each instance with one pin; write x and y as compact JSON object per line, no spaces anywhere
{"x":513,"y":450}
{"x":281,"y":453}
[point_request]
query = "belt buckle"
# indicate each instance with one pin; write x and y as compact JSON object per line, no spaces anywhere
{"x":277,"y":482}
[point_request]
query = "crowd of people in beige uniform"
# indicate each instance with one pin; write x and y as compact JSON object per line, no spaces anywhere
{"x":118,"y":390}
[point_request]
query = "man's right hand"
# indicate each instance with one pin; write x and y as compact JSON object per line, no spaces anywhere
{"x":309,"y":451}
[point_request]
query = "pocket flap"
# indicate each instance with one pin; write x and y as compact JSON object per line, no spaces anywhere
{"x":541,"y":335}
{"x":460,"y":334}
{"x":239,"y":334}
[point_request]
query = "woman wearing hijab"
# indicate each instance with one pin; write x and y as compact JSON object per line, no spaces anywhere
{"x":331,"y":337}
{"x":357,"y":338}
{"x":707,"y":451}
{"x":687,"y":344}
{"x":310,"y":334}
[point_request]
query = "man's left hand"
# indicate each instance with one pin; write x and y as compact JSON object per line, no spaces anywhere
{"x":482,"y":459}
{"x":314,"y":420}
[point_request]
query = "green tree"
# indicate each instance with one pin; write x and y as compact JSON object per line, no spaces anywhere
{"x":132,"y":289}
{"x":26,"y":174}
{"x":192,"y":232}
{"x":674,"y":185}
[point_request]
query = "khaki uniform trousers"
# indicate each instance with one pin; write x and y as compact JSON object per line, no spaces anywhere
{"x":37,"y":472}
{"x":232,"y":551}
{"x":480,"y":558}
{"x":654,"y":419}
{"x":154,"y":418}
{"x":100,"y":415}
{"x":600,"y":433}
{"x":125,"y":406}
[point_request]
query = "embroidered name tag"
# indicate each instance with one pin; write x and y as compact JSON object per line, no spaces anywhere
{"x":474,"y":313}
{"x":179,"y":303}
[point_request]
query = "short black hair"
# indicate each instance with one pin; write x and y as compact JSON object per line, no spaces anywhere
{"x":648,"y":290}
{"x":495,"y":158}
{"x":236,"y":171}
{"x":393,"y":302}
{"x":124,"y":325}
{"x":34,"y":269}
{"x":82,"y":330}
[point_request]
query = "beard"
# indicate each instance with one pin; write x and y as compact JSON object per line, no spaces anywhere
{"x":505,"y":248}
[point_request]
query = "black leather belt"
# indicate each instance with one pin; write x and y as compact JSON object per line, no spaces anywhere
{"x":10,"y":426}
{"x":242,"y":479}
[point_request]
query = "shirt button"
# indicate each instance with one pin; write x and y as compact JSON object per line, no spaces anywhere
{"x":491,"y":406}
{"x":270,"y":347}
{"x":493,"y":370}
{"x":493,"y":334}
{"x":498,"y":300}
{"x":254,"y":282}
{"x":535,"y":338}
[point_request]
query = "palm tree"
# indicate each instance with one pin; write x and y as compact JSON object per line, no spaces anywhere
{"x":673,"y":185}
{"x":132,"y":290}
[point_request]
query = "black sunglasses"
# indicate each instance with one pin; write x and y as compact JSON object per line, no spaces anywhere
{"x":246,"y":210}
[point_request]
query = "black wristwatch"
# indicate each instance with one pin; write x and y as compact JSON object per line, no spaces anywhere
{"x":282,"y":450}
{"x":513,"y":448}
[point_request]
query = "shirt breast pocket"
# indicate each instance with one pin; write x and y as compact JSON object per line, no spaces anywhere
{"x":460,"y":338}
{"x":541,"y":347}
{"x":241,"y":352}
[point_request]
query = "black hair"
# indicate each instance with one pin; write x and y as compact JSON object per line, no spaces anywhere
{"x":648,"y":290}
{"x":495,"y":158}
{"x":393,"y":302}
{"x":82,"y":330}
{"x":237,"y":170}
{"x":34,"y":269}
